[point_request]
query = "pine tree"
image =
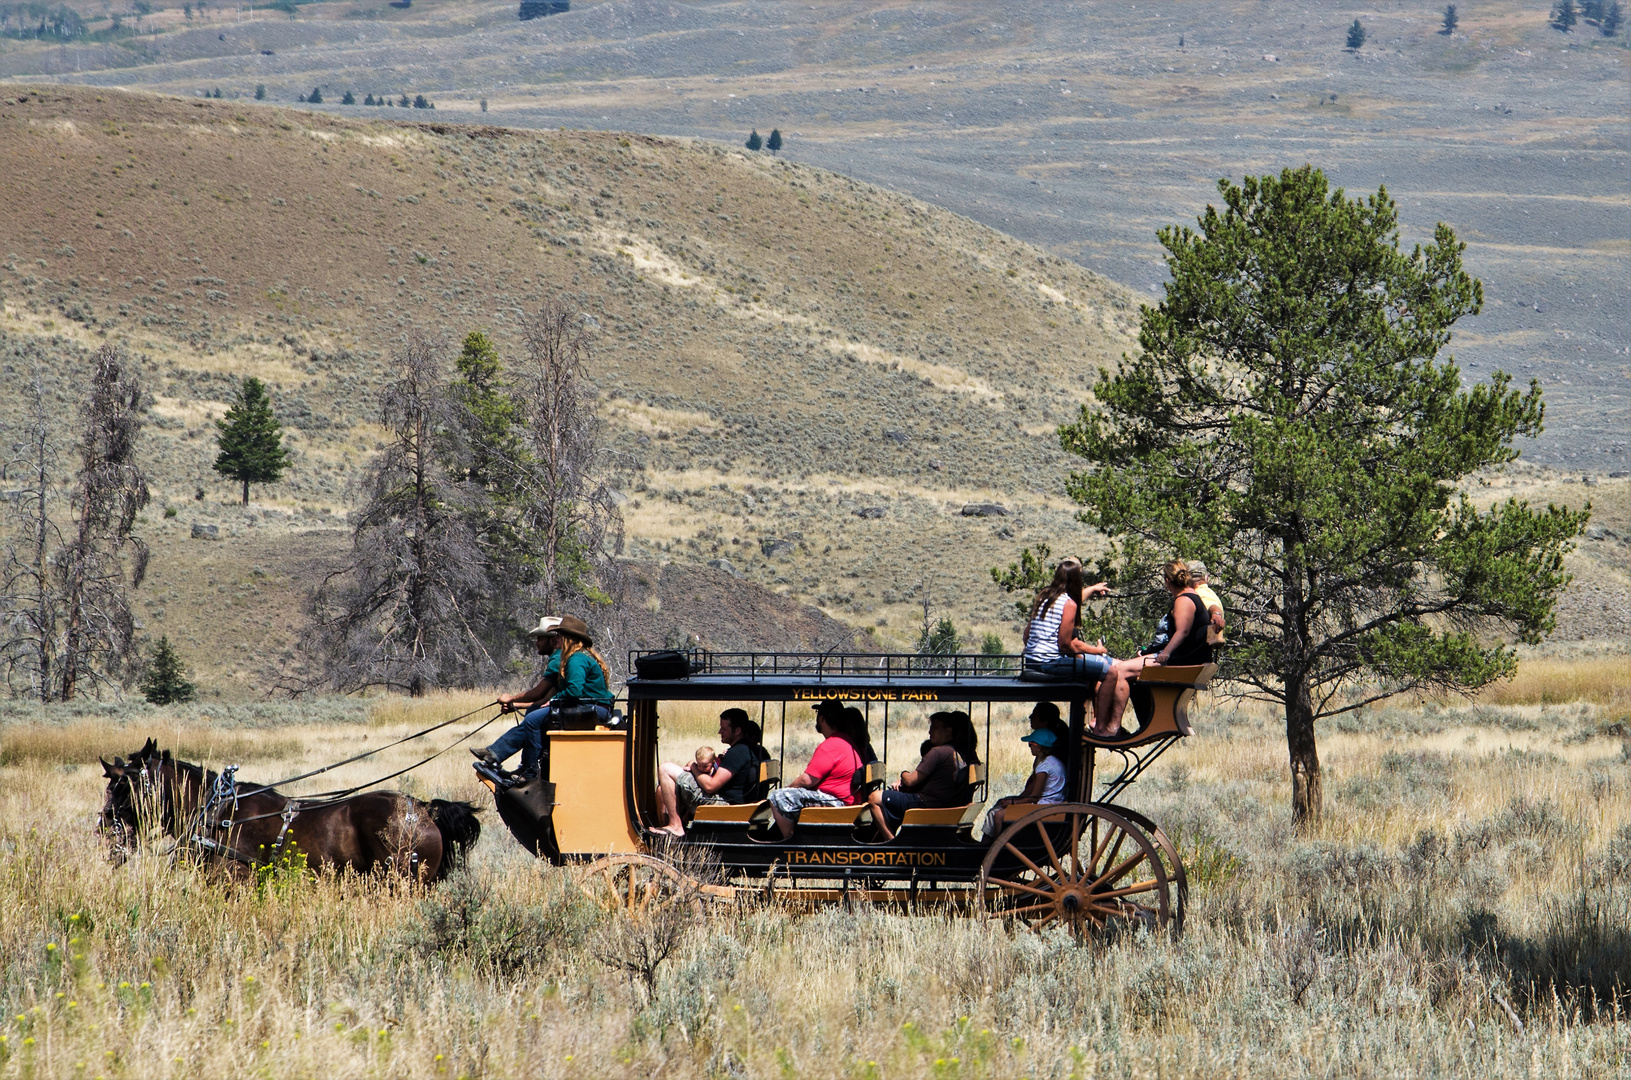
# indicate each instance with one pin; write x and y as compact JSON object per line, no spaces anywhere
{"x":166,"y":680}
{"x":316,"y":96}
{"x":369,"y":100}
{"x":1356,"y":37}
{"x":1289,"y":419}
{"x":1565,"y":15}
{"x":251,"y":439}
{"x":754,"y":142}
{"x":419,"y":102}
{"x":1451,"y":20}
{"x":260,"y":91}
{"x":403,"y":102}
{"x":774,"y":143}
{"x":1613,"y":19}
{"x":483,"y":104}
{"x":349,"y":99}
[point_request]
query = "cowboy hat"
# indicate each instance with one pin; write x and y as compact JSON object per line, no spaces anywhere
{"x":548,"y":626}
{"x":573,"y":627}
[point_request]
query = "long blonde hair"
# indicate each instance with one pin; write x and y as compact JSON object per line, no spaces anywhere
{"x":570,"y":645}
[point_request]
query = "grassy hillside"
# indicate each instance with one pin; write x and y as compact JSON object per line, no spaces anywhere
{"x":777,"y":347}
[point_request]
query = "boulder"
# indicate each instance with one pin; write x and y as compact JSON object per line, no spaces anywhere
{"x":870,"y":512}
{"x":202,"y":531}
{"x":985,"y":510}
{"x":725,"y":565}
{"x":773,"y":547}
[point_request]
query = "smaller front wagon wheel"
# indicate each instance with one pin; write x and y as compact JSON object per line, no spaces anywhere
{"x":1079,"y":865}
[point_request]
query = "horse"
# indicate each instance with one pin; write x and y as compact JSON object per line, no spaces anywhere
{"x":204,"y":810}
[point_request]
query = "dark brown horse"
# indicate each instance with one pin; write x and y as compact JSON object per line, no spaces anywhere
{"x":247,"y":826}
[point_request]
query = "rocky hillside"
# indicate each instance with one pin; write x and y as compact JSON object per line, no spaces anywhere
{"x":820,"y":387}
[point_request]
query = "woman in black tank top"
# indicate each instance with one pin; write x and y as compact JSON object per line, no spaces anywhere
{"x":1180,"y":642}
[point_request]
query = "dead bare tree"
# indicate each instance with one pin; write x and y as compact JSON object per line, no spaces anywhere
{"x":405,"y":614}
{"x":69,"y":623}
{"x":98,"y":640}
{"x":29,"y":646}
{"x":563,"y":503}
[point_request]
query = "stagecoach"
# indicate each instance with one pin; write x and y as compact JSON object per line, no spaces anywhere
{"x":1086,"y":863}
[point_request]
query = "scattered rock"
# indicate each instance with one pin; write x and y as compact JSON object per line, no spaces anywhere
{"x":202,"y":531}
{"x":985,"y":510}
{"x":870,"y":512}
{"x":773,"y":547}
{"x":897,"y":436}
{"x":725,"y":565}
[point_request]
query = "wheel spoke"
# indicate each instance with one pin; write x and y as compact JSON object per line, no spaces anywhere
{"x":1053,"y":856}
{"x":1026,"y":859}
{"x":1142,"y":886}
{"x":1115,"y":850}
{"x":1110,"y":877}
{"x":1005,"y":883}
{"x":1098,"y":847}
{"x":1033,"y":907}
{"x":1076,"y":846}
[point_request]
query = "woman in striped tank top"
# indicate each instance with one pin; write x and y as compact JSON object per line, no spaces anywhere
{"x":1052,"y":648}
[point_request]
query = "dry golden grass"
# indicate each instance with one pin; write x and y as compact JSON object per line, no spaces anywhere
{"x":82,"y":743}
{"x":1353,"y":950}
{"x":1602,"y":680}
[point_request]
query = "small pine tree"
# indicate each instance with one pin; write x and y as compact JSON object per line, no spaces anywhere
{"x":1356,"y":36}
{"x":251,"y":440}
{"x":166,"y":680}
{"x":1592,"y":10}
{"x":483,"y":104}
{"x":1565,"y":15}
{"x":1612,"y":19}
{"x":349,"y":99}
{"x":316,"y":95}
{"x":419,"y":102}
{"x":217,"y":92}
{"x":754,"y":142}
{"x":991,"y":645}
{"x":774,"y":143}
{"x":1451,"y":20}
{"x":260,"y":89}
{"x":941,"y":639}
{"x":369,"y":100}
{"x":404,"y":102}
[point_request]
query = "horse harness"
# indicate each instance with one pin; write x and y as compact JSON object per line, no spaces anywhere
{"x":222,"y":792}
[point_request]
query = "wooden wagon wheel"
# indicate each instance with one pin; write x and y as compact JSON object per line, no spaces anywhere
{"x":1078,"y":865}
{"x":639,"y":885}
{"x":1179,"y":899}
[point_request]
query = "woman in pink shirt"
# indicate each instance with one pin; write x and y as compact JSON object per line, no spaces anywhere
{"x":829,"y":778}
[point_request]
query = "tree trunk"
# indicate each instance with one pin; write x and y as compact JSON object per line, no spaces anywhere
{"x":246,"y":492}
{"x":1307,"y":788}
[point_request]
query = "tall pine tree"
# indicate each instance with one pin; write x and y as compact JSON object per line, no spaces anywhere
{"x":251,"y":440}
{"x":1356,"y":36}
{"x":1290,"y":419}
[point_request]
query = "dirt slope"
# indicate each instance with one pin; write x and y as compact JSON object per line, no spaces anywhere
{"x":778,"y":348}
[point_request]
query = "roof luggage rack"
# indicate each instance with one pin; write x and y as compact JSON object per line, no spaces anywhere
{"x":825,"y":665}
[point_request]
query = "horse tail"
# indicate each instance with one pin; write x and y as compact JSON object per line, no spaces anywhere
{"x":460,"y":830}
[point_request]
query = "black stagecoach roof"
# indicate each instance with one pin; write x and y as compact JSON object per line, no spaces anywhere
{"x":897,"y":677}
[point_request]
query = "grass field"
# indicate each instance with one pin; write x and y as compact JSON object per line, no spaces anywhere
{"x":1463,"y":909}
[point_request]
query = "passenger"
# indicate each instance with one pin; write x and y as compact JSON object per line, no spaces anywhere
{"x":1180,"y":641}
{"x":710,"y":780}
{"x":938,"y":779}
{"x":1053,"y":649}
{"x":829,"y":778}
{"x":1045,"y":717}
{"x":575,"y":676}
{"x":1046,"y":785}
{"x":1214,"y":606}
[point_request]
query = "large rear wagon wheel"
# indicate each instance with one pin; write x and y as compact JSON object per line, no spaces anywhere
{"x":1179,"y":898}
{"x":639,"y":885}
{"x":1078,"y":865}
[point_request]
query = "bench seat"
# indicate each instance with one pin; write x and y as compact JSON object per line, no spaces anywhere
{"x":942,"y":815}
{"x":728,"y":813}
{"x":830,"y":815}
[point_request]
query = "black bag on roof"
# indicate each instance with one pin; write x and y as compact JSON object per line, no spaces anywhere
{"x":668,"y":664}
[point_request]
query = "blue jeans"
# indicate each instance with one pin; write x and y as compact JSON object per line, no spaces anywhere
{"x":1088,"y":668}
{"x":528,"y":737}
